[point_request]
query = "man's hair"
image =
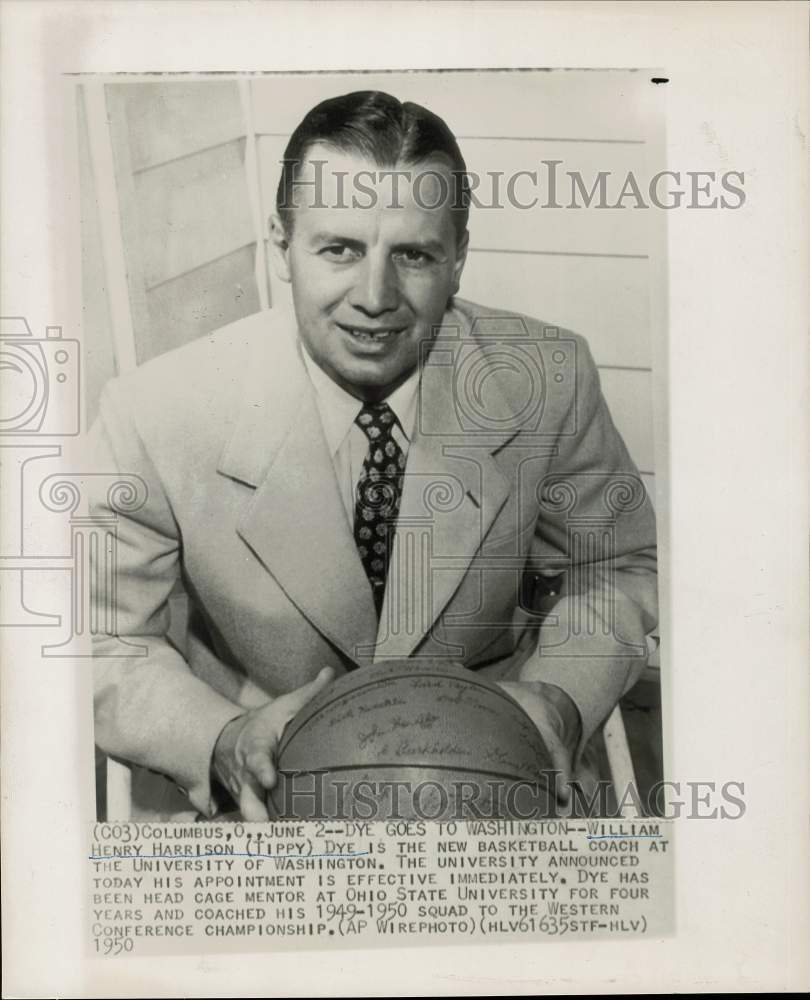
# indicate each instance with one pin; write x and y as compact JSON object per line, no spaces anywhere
{"x":382,"y":129}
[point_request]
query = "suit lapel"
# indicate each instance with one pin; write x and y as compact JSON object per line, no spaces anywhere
{"x":296,"y":524}
{"x":453,"y":492}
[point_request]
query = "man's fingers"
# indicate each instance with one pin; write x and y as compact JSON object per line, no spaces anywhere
{"x":547,"y":721}
{"x":260,"y":765}
{"x":562,"y":765}
{"x":295,"y":700}
{"x":252,"y":802}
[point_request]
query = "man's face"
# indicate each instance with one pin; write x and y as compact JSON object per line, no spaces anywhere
{"x":369,"y":284}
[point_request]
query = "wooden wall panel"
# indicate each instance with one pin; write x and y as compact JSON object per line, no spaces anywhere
{"x":202,"y":300}
{"x":588,"y":230}
{"x":166,"y":120}
{"x":269,"y":151}
{"x":98,"y":359}
{"x":606,"y":300}
{"x":193,"y":210}
{"x":188,"y":228}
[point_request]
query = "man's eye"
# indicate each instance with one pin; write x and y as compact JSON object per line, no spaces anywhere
{"x":414,"y":257}
{"x":339,"y":251}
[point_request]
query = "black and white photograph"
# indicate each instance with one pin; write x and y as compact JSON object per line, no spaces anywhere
{"x":381,"y":386}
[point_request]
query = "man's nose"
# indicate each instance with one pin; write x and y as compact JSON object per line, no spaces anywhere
{"x":376,"y":289}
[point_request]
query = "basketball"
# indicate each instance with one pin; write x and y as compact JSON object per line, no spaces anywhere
{"x":411,"y":740}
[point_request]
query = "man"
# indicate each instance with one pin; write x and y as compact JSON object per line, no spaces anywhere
{"x":289,"y":459}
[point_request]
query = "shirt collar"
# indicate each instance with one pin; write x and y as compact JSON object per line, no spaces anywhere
{"x":339,"y":408}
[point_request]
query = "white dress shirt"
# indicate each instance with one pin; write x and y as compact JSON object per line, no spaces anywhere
{"x":347,"y":443}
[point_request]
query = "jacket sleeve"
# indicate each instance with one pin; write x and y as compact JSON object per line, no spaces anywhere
{"x":597,"y":523}
{"x":150,"y":709}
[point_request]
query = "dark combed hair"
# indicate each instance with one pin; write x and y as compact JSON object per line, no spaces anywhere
{"x":382,"y":129}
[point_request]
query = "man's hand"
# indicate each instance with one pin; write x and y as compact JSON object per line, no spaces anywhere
{"x":244,"y":755}
{"x":557,"y":719}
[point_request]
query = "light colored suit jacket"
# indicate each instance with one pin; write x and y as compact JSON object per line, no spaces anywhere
{"x":504,"y":474}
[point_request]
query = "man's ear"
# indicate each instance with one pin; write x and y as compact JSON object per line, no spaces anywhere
{"x":279,"y":248}
{"x":461,"y":259}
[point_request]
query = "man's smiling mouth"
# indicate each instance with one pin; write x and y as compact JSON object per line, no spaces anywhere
{"x":371,"y":334}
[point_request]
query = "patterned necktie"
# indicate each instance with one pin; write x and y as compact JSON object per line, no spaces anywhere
{"x":378,"y":493}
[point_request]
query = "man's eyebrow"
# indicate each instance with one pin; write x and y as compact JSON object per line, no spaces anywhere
{"x":429,"y":246}
{"x":326,"y":237}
